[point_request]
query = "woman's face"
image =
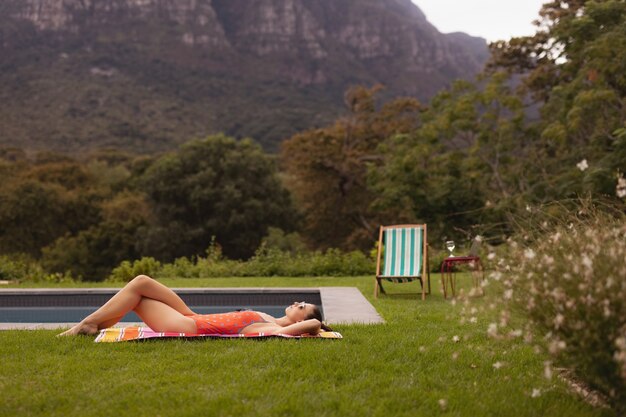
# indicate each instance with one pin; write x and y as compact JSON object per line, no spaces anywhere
{"x":299,"y":311}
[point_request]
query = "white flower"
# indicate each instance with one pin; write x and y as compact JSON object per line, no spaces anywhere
{"x":498,"y":365}
{"x":587,"y":262}
{"x":536,"y":393}
{"x":492,"y":330}
{"x":508,"y":294}
{"x":443,"y":404}
{"x":504,"y":318}
{"x":516,"y":333}
{"x":558,"y":320}
{"x":455,"y":339}
{"x":582,"y":165}
{"x":528,"y":337}
{"x":529,"y":254}
{"x":620,"y":189}
{"x":547,"y":369}
{"x":473,"y":320}
{"x":556,"y":346}
{"x":473,"y":292}
{"x":558,"y":294}
{"x":491,"y":256}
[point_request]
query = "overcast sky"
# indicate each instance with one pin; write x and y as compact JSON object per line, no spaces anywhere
{"x":490,"y":19}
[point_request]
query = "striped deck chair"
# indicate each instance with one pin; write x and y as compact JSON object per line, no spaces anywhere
{"x":406,"y":256}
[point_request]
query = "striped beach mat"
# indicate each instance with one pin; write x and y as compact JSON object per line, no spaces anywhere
{"x":403,"y":253}
{"x":124,"y":334}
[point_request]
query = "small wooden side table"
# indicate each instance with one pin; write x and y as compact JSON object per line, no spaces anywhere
{"x":449,"y":276}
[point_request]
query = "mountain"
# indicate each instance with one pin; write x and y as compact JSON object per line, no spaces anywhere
{"x":146,"y":75}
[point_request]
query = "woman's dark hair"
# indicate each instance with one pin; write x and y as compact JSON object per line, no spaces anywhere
{"x":317,"y":314}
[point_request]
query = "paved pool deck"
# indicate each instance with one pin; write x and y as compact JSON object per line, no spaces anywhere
{"x":342,"y":305}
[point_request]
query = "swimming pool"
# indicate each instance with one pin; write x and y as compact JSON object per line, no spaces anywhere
{"x":72,"y":305}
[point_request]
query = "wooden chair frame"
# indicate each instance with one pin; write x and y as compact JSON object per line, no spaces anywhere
{"x":378,"y":287}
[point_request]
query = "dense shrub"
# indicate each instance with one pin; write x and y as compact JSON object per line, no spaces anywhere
{"x":127,"y":270}
{"x":266,"y":262}
{"x":436,"y":258}
{"x":15,"y":269}
{"x":570,"y":280}
{"x":288,"y":242}
{"x":21,"y":268}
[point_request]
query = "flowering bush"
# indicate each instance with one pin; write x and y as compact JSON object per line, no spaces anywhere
{"x":570,"y":281}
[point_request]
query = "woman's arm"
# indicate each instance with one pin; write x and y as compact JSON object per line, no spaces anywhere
{"x":311,"y":326}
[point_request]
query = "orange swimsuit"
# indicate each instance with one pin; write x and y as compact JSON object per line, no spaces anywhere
{"x":226,"y":323}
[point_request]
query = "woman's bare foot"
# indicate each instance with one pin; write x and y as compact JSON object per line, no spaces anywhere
{"x":81,"y":328}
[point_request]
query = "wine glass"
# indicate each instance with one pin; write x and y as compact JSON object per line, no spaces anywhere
{"x":450,"y":246}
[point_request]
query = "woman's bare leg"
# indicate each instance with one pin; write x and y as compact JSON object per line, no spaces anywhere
{"x":162,"y":318}
{"x":126,"y":300}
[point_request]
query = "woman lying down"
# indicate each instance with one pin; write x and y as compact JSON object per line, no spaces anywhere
{"x":164,"y":311}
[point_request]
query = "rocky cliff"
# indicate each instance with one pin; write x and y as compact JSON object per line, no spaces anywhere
{"x":147,"y":74}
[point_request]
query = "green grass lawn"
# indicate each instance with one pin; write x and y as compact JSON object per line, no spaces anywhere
{"x":403,"y":367}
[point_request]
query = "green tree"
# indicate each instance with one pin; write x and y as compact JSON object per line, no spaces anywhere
{"x":68,"y":214}
{"x":575,"y":66}
{"x":93,"y":252}
{"x":41,"y":202}
{"x":327,"y":169}
{"x":213,"y":187}
{"x":460,"y":171}
{"x":112,"y":169}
